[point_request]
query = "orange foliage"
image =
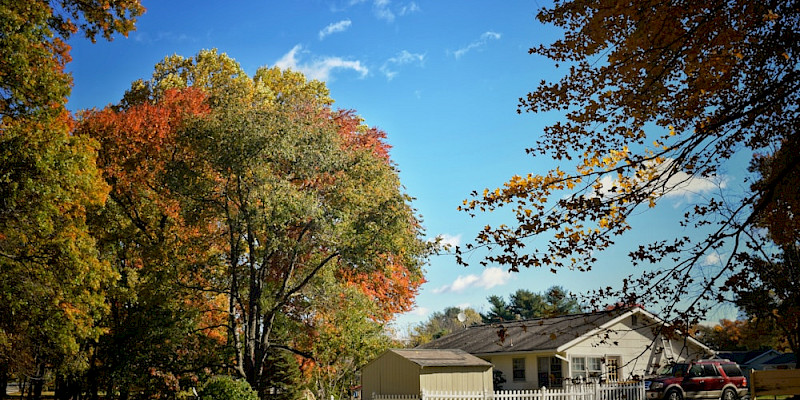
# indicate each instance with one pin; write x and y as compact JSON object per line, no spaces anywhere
{"x":394,"y":289}
{"x":358,"y":136}
{"x":139,"y":141}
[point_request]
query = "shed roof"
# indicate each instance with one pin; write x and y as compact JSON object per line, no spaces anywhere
{"x":538,"y":335}
{"x":441,"y":358}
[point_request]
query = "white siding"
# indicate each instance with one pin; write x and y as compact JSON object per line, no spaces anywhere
{"x":635,"y":345}
{"x":504,"y":364}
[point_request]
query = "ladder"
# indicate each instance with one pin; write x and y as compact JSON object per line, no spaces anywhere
{"x":666,"y":344}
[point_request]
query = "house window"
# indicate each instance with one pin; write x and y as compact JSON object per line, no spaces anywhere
{"x":586,"y":367}
{"x":550,"y":372}
{"x":518,"y":366}
{"x":634,"y":320}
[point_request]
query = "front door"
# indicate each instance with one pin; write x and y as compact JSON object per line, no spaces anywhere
{"x":549,"y":372}
{"x":612,"y":369}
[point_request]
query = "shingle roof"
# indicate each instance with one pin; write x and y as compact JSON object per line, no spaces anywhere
{"x":786,"y":358}
{"x":742,"y":357}
{"x":441,"y":358}
{"x":540,"y":334}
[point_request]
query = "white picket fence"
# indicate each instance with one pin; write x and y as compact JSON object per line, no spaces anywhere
{"x":618,"y":391}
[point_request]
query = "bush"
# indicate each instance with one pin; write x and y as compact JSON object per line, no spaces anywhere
{"x":227,"y":388}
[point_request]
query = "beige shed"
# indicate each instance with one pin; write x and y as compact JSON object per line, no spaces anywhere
{"x":411,"y":371}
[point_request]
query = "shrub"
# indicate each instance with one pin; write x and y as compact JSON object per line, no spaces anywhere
{"x":227,"y":388}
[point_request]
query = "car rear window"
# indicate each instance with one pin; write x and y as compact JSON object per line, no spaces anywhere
{"x":731,"y":369}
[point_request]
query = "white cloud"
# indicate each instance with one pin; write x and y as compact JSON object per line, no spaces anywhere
{"x":450,"y":240}
{"x":335,"y":27}
{"x":420,"y":311}
{"x":686,"y":185}
{"x":319,"y":68}
{"x":711,"y":259}
{"x":485,"y":38}
{"x":389,"y":68}
{"x":680,"y":184}
{"x":489,"y":278}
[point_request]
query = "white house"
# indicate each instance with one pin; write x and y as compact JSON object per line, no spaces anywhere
{"x":615,"y":345}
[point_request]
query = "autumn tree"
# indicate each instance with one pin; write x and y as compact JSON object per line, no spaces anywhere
{"x":442,"y":323}
{"x":297,"y":191}
{"x":771,"y":295}
{"x":656,"y":96}
{"x":50,"y":277}
{"x":343,"y":337}
{"x":160,"y":251}
{"x":739,"y":335}
{"x":768,"y":289}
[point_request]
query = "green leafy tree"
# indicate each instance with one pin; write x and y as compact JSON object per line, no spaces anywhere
{"x":442,"y":323}
{"x":657,"y":96}
{"x":524,"y":304}
{"x":50,"y":277}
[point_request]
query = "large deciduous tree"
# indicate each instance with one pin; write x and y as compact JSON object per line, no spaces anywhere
{"x":161,"y":251}
{"x":50,"y":277}
{"x":657,"y":95}
{"x":302,"y":205}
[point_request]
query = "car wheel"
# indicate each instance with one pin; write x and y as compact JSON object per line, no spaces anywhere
{"x":673,"y":395}
{"x":729,"y":394}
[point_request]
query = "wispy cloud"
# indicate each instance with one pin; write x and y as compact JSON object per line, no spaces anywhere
{"x":480,"y":43}
{"x":318,"y":68}
{"x":489,"y":278}
{"x":389,"y":68}
{"x":382,"y":10}
{"x":409,"y":8}
{"x":170,"y":37}
{"x":335,"y":27}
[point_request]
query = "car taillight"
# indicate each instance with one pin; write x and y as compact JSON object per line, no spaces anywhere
{"x":744,"y":382}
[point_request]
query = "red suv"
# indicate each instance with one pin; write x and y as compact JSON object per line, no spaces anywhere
{"x":705,"y":379}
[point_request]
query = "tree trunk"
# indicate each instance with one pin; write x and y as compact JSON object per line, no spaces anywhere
{"x":3,"y":380}
{"x":67,"y":387}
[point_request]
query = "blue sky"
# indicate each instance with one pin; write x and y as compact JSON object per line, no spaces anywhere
{"x":441,"y":77}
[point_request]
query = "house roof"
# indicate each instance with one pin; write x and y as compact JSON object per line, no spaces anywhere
{"x":745,"y":357}
{"x":554,"y":334}
{"x":787,"y":358}
{"x":441,"y":358}
{"x":540,"y":334}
